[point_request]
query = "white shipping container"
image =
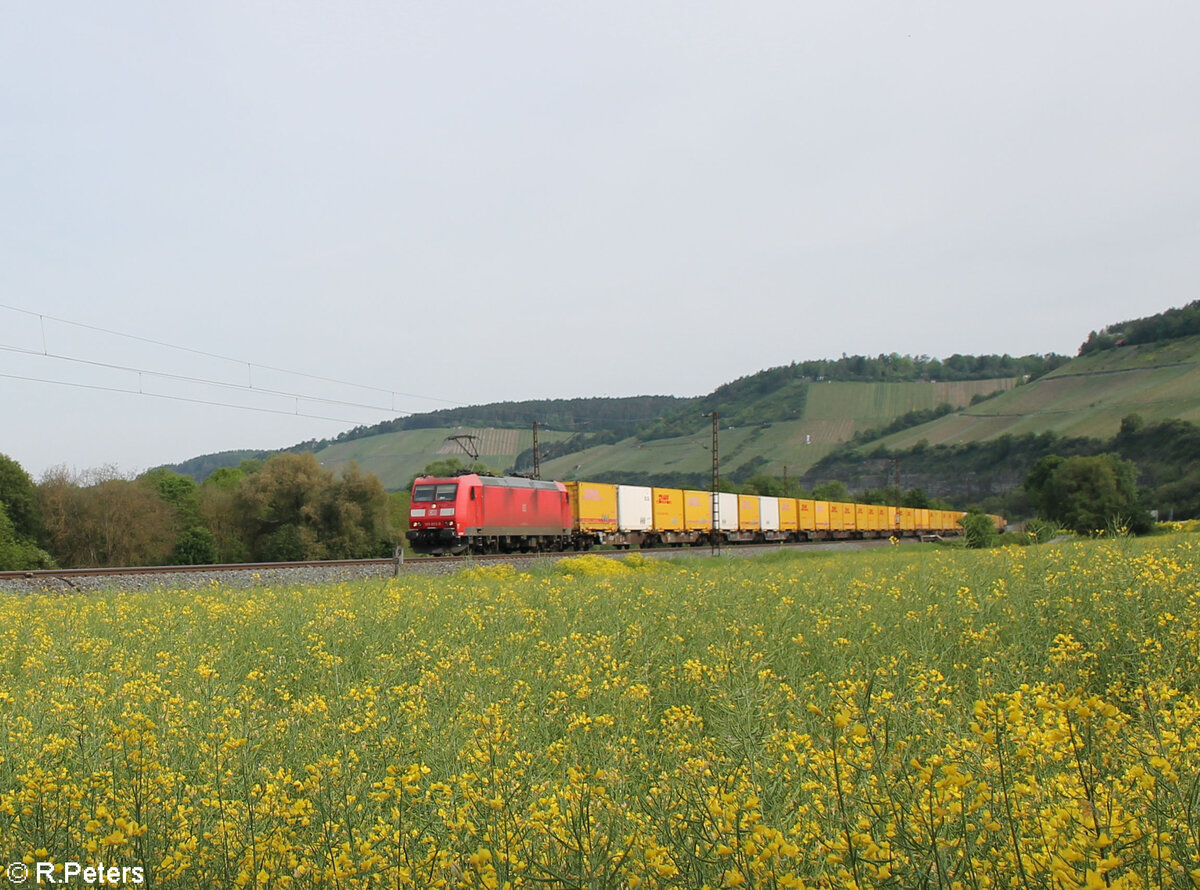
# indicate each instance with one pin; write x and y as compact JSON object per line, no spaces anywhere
{"x":727,"y":503}
{"x":635,"y":510}
{"x":768,"y":516}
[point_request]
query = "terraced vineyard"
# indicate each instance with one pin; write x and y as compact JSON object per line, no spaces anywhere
{"x":1087,"y":397}
{"x":397,"y":457}
{"x":833,"y":412}
{"x":829,"y":415}
{"x":873,"y":404}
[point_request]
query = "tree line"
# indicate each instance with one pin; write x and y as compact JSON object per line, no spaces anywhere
{"x":287,"y":507}
{"x":896,"y":368}
{"x":1183,"y":321}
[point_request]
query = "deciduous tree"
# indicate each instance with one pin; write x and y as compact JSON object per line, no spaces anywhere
{"x":219,"y":511}
{"x":20,"y":499}
{"x":1087,"y":494}
{"x":104,"y":519}
{"x":17,"y":551}
{"x":295,"y":509}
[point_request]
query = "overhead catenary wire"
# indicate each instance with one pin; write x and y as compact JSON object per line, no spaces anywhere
{"x":214,"y":355}
{"x":251,"y":390}
{"x":195,"y":401}
{"x":249,"y":386}
{"x":185,"y":378}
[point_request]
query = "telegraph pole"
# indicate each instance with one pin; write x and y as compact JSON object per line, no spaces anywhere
{"x":715,"y":537}
{"x":537,"y":454}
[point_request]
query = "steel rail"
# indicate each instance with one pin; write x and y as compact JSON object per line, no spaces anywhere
{"x":109,"y":571}
{"x":102,"y":571}
{"x":411,"y":562}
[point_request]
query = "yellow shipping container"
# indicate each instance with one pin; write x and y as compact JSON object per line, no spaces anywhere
{"x":864,"y":517}
{"x":835,"y":516}
{"x":821,"y":512}
{"x":593,"y":505}
{"x":749,"y":513}
{"x":789,"y":518}
{"x":908,"y":519}
{"x":849,"y":522}
{"x":808,"y":514}
{"x":668,"y":509}
{"x":697,"y":510}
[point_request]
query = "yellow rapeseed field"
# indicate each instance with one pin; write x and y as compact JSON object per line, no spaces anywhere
{"x":911,"y":717}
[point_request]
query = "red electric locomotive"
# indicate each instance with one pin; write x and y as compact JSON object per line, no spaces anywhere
{"x":488,"y":514}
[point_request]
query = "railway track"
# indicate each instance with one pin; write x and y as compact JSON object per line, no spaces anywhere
{"x":184,"y":570}
{"x":315,"y":571}
{"x":240,"y":574}
{"x":393,"y":565}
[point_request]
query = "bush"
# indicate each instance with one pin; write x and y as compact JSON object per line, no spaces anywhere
{"x":16,"y":552}
{"x":1088,"y":493}
{"x":195,"y":547}
{"x":1040,"y":531}
{"x":285,"y":545}
{"x":978,"y":530}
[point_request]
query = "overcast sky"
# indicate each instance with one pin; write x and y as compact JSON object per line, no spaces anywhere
{"x":448,"y":203}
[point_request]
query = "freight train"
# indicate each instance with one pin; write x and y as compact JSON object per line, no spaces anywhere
{"x":471,"y":513}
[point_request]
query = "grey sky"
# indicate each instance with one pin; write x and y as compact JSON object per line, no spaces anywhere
{"x":493,"y":201}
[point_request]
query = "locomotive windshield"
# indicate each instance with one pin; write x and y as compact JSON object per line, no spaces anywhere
{"x":440,"y":491}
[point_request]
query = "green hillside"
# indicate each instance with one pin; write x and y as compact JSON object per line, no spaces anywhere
{"x":829,"y":413}
{"x":378,"y":449}
{"x":396,"y":457}
{"x":783,"y":421}
{"x":1085,"y":397}
{"x":966,"y":427}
